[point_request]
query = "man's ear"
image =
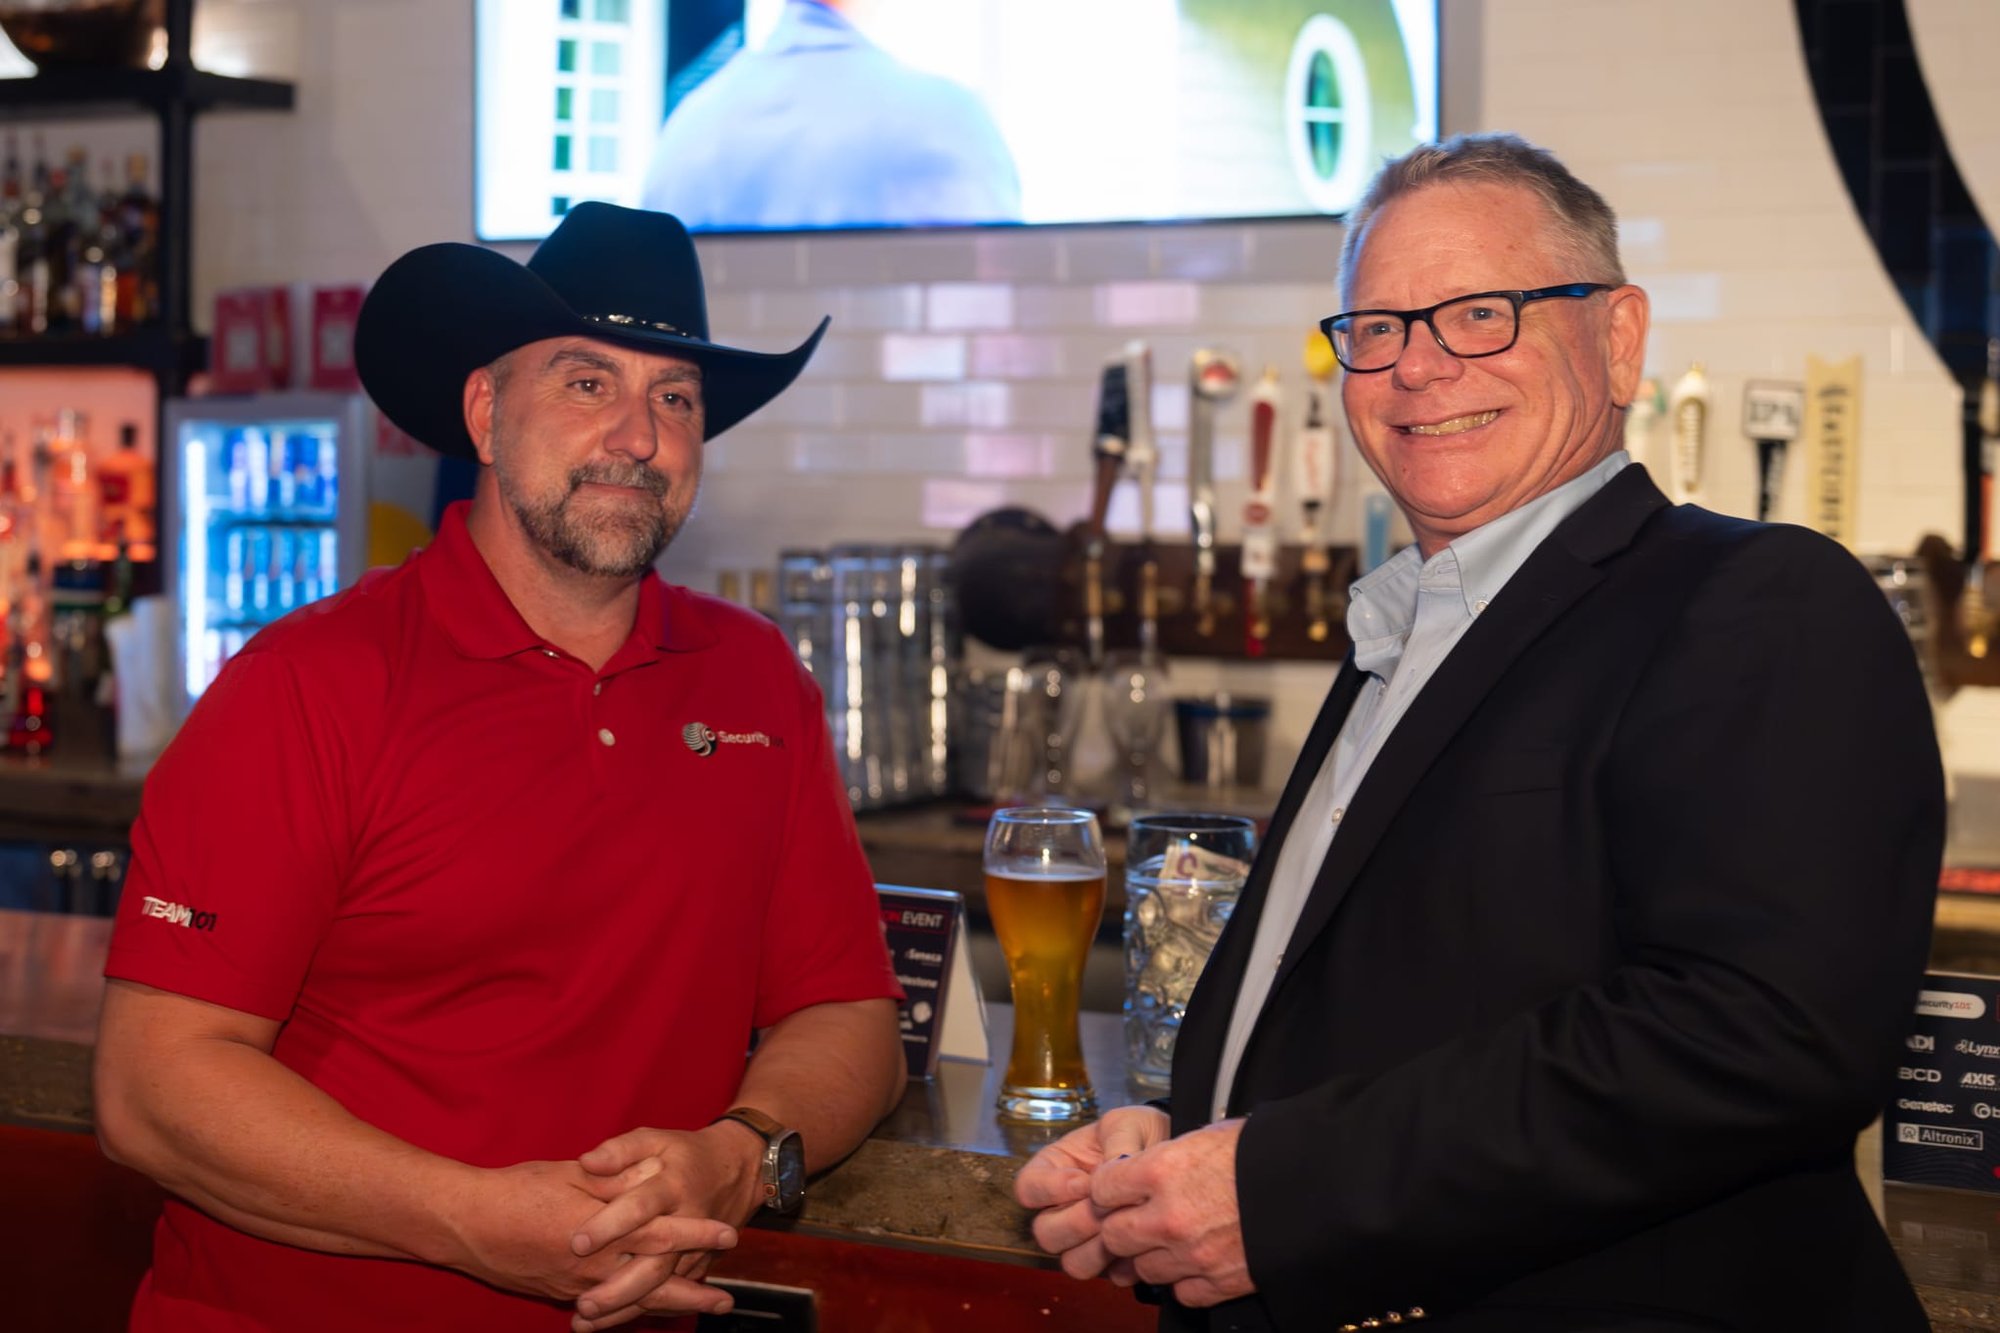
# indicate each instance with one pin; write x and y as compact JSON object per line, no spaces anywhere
{"x":480,"y":396}
{"x":1631,"y":315}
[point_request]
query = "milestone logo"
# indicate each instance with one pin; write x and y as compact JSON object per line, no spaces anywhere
{"x":176,"y":914}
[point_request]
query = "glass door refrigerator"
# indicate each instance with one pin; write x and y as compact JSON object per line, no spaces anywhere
{"x":267,"y":511}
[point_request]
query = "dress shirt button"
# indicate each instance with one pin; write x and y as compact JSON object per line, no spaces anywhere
{"x":598,"y":688}
{"x":550,"y":652}
{"x":1339,"y":813}
{"x":604,"y":734}
{"x":1479,"y":606}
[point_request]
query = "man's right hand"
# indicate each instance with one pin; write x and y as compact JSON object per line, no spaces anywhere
{"x":1056,"y":1182}
{"x":514,"y":1226}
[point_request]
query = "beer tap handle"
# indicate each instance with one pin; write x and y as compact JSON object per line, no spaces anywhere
{"x":1315,"y":479}
{"x":1213,"y":381}
{"x":1688,"y":411}
{"x":1108,"y":447}
{"x":1259,"y":542}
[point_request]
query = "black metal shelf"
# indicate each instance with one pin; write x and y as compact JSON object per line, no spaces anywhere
{"x":109,"y":92}
{"x":157,"y":350}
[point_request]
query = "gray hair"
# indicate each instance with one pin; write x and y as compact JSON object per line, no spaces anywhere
{"x":1585,"y":225}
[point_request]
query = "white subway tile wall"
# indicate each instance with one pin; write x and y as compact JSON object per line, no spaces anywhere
{"x":961,"y":373}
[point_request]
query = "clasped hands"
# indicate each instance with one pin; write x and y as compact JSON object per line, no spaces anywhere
{"x":625,"y":1230}
{"x":1121,"y":1199}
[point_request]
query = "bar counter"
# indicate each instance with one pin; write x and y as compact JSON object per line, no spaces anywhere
{"x":928,"y":1196}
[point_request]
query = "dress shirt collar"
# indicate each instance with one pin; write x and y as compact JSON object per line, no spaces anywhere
{"x":1382,"y":605}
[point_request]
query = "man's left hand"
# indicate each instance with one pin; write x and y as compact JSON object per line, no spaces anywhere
{"x":1171,"y":1210}
{"x":648,"y":1173}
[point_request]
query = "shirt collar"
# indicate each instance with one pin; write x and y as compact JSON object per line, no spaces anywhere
{"x":477,"y":616}
{"x":1382,"y":605}
{"x":806,"y":25}
{"x":1491,"y":554}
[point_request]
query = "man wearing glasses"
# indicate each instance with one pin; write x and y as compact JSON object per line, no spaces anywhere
{"x":1582,"y":941}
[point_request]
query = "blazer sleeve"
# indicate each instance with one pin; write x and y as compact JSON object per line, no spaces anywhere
{"x":1771,"y":807}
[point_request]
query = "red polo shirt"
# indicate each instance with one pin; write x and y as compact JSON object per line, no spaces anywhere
{"x":472,"y":877}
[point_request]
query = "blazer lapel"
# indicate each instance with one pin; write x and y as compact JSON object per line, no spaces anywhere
{"x":1198,"y":1048}
{"x":1560,"y":570}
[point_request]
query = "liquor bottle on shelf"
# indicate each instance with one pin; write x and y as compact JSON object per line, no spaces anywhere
{"x":31,"y":263}
{"x":16,"y":519}
{"x":59,"y":254}
{"x":128,"y":496}
{"x":139,"y":221}
{"x":31,"y":666}
{"x":73,"y":495}
{"x":10,"y":235}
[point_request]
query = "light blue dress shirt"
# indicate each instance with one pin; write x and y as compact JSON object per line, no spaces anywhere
{"x":1403,"y":618}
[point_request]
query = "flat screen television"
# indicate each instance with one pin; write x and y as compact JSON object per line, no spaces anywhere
{"x":791,"y":115}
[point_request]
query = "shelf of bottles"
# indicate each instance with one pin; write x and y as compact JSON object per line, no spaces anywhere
{"x":78,"y":530}
{"x":79,"y":261}
{"x":262,"y":536}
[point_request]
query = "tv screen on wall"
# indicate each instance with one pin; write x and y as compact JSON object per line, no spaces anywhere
{"x":786,"y":115}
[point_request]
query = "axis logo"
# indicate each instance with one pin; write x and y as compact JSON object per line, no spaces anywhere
{"x":176,"y":914}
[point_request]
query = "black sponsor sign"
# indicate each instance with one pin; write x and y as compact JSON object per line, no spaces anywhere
{"x":922,"y":927}
{"x":1942,"y":1124}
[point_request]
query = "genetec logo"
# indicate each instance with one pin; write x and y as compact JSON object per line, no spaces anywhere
{"x":178,"y":914}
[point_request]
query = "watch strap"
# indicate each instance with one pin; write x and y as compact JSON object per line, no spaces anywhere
{"x":770,"y":1129}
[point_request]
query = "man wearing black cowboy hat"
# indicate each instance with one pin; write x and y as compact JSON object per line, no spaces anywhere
{"x":456,"y":884}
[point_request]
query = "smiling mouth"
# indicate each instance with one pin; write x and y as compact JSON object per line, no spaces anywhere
{"x":1455,"y":426}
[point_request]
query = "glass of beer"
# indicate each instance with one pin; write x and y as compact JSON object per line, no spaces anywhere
{"x":1045,"y":893}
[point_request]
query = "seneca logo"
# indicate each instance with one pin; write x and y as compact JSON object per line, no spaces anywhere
{"x":1950,"y":1004}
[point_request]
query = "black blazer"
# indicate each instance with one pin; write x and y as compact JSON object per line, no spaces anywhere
{"x":1609,"y":962}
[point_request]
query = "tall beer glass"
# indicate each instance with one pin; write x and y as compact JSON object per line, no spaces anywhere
{"x":1045,"y":893}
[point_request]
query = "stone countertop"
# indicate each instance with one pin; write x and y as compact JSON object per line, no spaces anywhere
{"x":937,"y":1174}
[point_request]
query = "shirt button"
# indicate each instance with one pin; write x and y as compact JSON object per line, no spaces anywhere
{"x":1339,"y":813}
{"x":1479,"y":606}
{"x":604,"y":734}
{"x":598,"y":688}
{"x":1278,"y":962}
{"x":550,"y":652}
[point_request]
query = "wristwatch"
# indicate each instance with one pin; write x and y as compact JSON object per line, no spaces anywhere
{"x":784,"y":1170}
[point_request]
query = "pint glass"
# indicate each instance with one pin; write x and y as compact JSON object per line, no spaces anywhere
{"x":1045,"y":893}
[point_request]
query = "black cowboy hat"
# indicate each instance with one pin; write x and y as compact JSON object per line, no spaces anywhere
{"x":621,"y":274}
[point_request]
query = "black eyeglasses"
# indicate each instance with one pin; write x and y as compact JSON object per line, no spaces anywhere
{"x":1482,"y":324}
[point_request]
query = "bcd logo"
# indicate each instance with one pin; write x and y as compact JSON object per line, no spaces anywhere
{"x":1919,"y":1075}
{"x":1978,"y":1080}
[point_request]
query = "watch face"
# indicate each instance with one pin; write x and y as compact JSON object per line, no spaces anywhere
{"x":791,"y":1172}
